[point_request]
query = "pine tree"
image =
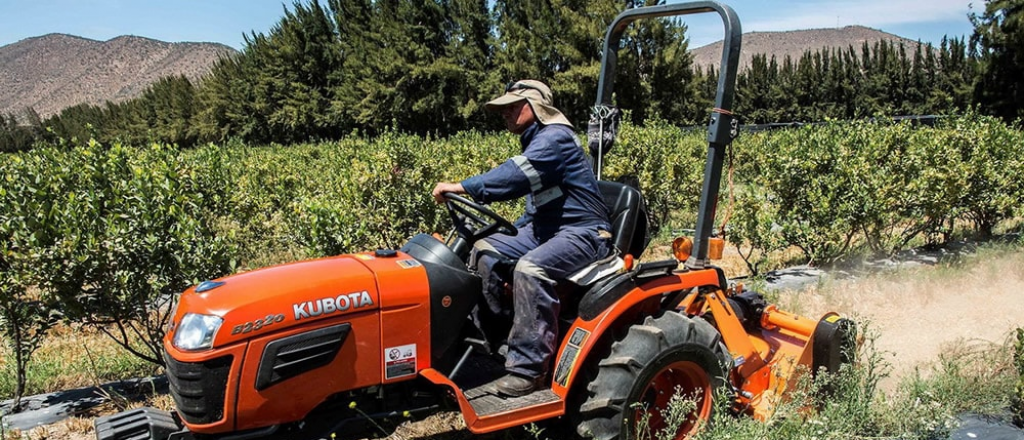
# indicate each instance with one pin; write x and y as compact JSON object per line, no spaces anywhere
{"x":291,"y":67}
{"x":469,"y":47}
{"x":353,"y":22}
{"x":999,"y":34}
{"x":445,"y":64}
{"x":217,"y":112}
{"x":752,"y":100}
{"x":579,"y":42}
{"x":526,"y":40}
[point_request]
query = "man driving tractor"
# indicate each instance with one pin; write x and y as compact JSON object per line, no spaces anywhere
{"x":564,"y":229}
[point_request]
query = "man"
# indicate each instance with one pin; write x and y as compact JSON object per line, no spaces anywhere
{"x":563,"y":230}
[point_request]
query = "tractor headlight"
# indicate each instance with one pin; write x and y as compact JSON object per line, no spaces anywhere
{"x":196,"y":331}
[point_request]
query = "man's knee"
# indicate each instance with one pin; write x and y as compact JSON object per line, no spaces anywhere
{"x":483,"y":251}
{"x":528,"y":268}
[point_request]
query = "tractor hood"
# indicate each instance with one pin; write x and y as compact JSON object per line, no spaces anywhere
{"x":279,"y":297}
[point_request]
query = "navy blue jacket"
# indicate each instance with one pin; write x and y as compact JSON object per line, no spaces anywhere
{"x":554,"y":175}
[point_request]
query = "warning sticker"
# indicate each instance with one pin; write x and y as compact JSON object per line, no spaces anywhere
{"x":366,"y":257}
{"x":408,"y":264}
{"x":565,"y":364}
{"x":569,"y":355}
{"x":399,"y":361}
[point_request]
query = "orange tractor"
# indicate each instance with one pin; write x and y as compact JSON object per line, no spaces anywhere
{"x":309,"y":349}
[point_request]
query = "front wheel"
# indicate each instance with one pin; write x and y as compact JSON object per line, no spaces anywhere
{"x":659,"y":379}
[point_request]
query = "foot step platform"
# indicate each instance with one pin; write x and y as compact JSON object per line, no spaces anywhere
{"x":486,"y":401}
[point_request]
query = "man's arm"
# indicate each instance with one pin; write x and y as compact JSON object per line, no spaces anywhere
{"x":504,"y":182}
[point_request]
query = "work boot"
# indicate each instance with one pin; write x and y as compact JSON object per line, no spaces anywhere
{"x":517,"y":386}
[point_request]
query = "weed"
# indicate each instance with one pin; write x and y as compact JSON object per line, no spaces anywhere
{"x":850,"y":403}
{"x":1018,"y":361}
{"x":535,"y":431}
{"x":62,"y":363}
{"x":680,"y":412}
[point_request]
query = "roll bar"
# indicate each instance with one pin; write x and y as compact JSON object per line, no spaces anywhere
{"x":722,"y":125}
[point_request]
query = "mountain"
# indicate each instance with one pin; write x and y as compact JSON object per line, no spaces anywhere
{"x":55,"y":71}
{"x":795,"y":43}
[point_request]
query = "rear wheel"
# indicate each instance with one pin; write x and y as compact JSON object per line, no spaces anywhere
{"x":634,"y":395}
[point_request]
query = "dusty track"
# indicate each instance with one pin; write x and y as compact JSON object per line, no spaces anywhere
{"x":922,"y":312}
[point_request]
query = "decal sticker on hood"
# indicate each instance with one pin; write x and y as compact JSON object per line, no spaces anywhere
{"x":253,"y":326}
{"x":326,"y":306}
{"x":408,"y":264}
{"x":399,"y":361}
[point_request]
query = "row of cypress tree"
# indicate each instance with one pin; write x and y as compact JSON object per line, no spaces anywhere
{"x":331,"y":68}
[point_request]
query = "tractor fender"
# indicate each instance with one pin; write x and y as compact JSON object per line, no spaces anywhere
{"x":585,"y":335}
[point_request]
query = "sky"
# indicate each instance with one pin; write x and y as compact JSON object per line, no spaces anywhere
{"x":226,"y":21}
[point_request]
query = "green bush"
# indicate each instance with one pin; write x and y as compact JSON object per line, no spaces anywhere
{"x":992,"y":151}
{"x":113,"y":233}
{"x":815,"y":196}
{"x":847,"y":188}
{"x":830,"y":190}
{"x":669,"y":163}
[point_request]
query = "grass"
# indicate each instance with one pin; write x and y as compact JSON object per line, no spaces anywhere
{"x":72,"y":357}
{"x":978,"y":381}
{"x":1017,"y":404}
{"x":851,"y":404}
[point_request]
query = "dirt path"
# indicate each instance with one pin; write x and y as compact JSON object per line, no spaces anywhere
{"x":920,"y":313}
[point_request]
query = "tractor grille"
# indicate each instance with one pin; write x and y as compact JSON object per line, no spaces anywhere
{"x":291,"y":356}
{"x":198,"y":388}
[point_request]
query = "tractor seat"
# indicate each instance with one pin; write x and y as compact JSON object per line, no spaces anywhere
{"x":628,"y":217}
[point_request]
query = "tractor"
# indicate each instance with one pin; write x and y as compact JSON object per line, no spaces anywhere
{"x":312,"y":349}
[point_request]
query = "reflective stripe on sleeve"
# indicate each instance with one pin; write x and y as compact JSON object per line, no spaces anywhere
{"x":527,"y":168}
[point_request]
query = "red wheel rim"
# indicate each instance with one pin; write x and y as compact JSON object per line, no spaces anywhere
{"x":685,"y":378}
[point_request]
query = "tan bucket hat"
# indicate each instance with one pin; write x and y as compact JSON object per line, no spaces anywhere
{"x":537,"y":94}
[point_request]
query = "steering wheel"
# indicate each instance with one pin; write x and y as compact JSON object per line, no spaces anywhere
{"x":474,"y":221}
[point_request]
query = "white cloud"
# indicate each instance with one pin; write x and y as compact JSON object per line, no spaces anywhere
{"x":871,"y":13}
{"x":915,"y":19}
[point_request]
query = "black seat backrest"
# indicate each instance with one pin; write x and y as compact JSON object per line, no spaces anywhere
{"x":628,"y":215}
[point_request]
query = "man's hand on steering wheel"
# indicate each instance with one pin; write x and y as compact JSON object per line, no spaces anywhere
{"x":446,"y":187}
{"x":474,"y":221}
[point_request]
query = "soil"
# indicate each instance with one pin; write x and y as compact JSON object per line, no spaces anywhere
{"x":919,"y":313}
{"x":914,"y":315}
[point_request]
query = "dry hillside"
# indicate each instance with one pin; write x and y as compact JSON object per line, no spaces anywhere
{"x":55,"y":71}
{"x":795,"y":43}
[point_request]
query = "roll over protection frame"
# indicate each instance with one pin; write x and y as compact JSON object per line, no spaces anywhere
{"x":722,"y":125}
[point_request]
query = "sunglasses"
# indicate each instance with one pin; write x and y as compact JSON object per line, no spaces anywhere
{"x":516,"y":86}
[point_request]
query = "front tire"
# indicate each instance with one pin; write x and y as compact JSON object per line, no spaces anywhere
{"x":636,"y":382}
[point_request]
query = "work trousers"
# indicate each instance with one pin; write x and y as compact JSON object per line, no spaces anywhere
{"x":535,"y":305}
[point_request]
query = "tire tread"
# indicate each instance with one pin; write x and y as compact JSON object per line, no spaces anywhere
{"x":601,"y":413}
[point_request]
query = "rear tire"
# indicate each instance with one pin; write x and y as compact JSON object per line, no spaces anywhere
{"x":636,"y":381}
